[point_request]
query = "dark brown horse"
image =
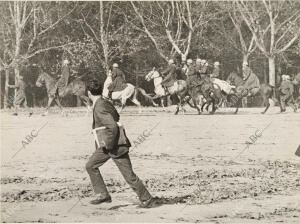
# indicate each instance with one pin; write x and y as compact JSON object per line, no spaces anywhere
{"x":76,"y":87}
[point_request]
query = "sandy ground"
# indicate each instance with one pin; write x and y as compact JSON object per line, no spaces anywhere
{"x":199,"y":164}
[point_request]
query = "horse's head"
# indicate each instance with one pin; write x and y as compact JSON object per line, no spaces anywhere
{"x":40,"y":80}
{"x":152,"y":74}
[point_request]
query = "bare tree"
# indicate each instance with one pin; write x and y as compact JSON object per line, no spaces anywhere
{"x":274,"y":25}
{"x":171,"y":25}
{"x":247,"y":46}
{"x":25,"y":26}
{"x":111,"y":36}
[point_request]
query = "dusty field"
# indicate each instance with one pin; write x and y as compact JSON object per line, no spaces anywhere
{"x":200,"y":165}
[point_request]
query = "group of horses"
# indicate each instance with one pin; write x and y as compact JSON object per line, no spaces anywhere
{"x":204,"y":93}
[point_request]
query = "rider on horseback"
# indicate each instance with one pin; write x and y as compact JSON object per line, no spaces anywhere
{"x":192,"y":75}
{"x":65,"y":74}
{"x":251,"y":82}
{"x":170,"y":74}
{"x":118,"y":80}
{"x":203,"y":69}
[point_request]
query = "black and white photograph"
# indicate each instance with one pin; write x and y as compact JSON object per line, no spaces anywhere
{"x":150,"y":111}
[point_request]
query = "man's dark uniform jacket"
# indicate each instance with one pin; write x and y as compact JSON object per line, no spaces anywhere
{"x":216,"y":72}
{"x":198,"y":68}
{"x":203,"y":69}
{"x":118,"y":81}
{"x":105,"y":114}
{"x":192,"y":76}
{"x":170,"y":79}
{"x":286,"y":88}
{"x":65,"y":74}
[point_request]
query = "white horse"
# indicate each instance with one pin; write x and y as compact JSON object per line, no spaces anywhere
{"x":130,"y":92}
{"x":179,"y":89}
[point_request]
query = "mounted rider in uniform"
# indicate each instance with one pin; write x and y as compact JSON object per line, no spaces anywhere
{"x":118,"y":81}
{"x":192,"y":75}
{"x":251,"y":82}
{"x":203,"y":70}
{"x":170,"y":75}
{"x":63,"y":81}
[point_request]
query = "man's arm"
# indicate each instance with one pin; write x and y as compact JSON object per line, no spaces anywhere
{"x":103,"y":117}
{"x":166,"y":71}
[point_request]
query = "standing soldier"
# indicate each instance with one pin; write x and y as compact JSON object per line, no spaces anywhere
{"x":118,"y":80}
{"x":286,"y":91}
{"x":114,"y":145}
{"x":170,"y":75}
{"x":20,"y":97}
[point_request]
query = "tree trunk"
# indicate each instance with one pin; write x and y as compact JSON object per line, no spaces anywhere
{"x":245,"y":58}
{"x":5,"y":100}
{"x":78,"y":101}
{"x":272,"y":75}
{"x":265,"y":72}
{"x":17,"y":75}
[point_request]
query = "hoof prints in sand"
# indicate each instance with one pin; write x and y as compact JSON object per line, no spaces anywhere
{"x":199,"y":187}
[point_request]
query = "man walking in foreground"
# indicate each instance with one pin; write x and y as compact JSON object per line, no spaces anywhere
{"x":115,"y":145}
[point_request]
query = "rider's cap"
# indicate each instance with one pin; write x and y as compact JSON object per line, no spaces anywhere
{"x":66,"y":61}
{"x":171,"y":61}
{"x":189,"y":61}
{"x":198,"y":60}
{"x":217,"y":63}
{"x":115,"y":65}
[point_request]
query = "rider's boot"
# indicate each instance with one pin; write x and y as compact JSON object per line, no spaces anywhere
{"x":166,"y":91}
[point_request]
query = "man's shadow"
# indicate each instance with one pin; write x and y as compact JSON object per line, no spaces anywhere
{"x":162,"y":201}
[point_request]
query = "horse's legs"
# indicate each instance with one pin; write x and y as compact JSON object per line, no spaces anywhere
{"x":86,"y":101}
{"x":121,"y":109}
{"x":177,"y":107}
{"x":266,"y":97}
{"x":136,"y":102}
{"x":50,"y":99}
{"x":162,"y":103}
{"x":197,"y":106}
{"x":60,"y":106}
{"x":214,"y":108}
{"x":237,"y":105}
{"x":244,"y":102}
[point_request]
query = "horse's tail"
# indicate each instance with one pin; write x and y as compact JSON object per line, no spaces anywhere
{"x":146,"y":96}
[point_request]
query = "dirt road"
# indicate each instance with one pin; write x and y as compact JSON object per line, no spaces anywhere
{"x":200,"y":166}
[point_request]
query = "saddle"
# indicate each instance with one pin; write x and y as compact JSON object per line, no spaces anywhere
{"x":172,"y":89}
